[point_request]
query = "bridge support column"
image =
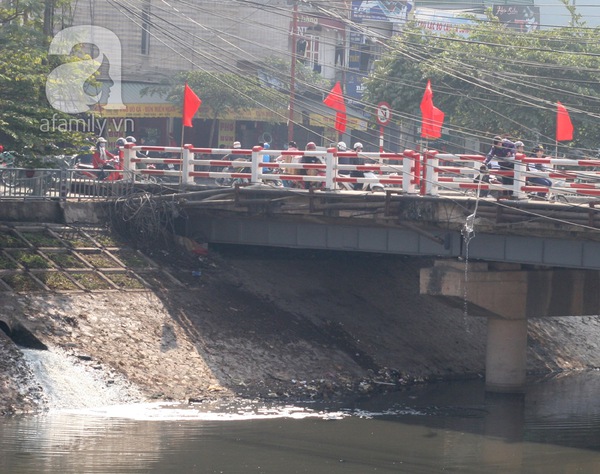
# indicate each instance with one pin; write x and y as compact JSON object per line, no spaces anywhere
{"x":508,"y":296}
{"x":506,"y":355}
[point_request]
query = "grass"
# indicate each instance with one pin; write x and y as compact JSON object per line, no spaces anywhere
{"x":65,"y":260}
{"x":30,"y":260}
{"x":11,"y":241}
{"x":91,"y":281}
{"x":107,"y":241}
{"x":125,"y":281}
{"x":41,"y":239}
{"x":6,"y":263}
{"x":132,"y":259}
{"x":21,"y":282}
{"x":76,"y":240}
{"x":99,"y":260}
{"x":58,"y":281}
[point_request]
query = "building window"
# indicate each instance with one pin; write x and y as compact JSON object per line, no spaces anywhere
{"x":311,"y":54}
{"x":145,"y":28}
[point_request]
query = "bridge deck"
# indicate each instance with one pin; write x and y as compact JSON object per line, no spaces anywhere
{"x":529,"y":232}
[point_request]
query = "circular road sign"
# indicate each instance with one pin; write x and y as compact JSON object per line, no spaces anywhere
{"x":384,"y":114}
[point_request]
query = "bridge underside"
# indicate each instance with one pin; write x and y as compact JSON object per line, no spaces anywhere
{"x":508,"y":296}
{"x":403,"y":239}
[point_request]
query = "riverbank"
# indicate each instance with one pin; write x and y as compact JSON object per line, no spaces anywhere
{"x":252,"y":322}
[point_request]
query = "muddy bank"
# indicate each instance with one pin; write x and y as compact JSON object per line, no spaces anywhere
{"x":273,"y":323}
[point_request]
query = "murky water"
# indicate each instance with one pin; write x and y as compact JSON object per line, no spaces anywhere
{"x":456,"y":427}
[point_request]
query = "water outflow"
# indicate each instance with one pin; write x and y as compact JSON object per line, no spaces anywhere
{"x":468,"y":233}
{"x":70,"y":384}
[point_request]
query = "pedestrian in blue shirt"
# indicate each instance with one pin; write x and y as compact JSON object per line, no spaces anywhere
{"x":504,"y":151}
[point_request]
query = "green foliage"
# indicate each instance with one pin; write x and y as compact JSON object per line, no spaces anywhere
{"x":24,"y":68}
{"x":221,"y":93}
{"x":497,"y":80}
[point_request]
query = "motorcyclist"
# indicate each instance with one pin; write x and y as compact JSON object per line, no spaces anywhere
{"x":103,"y":159}
{"x":310,"y":146}
{"x":358,"y":147}
{"x":341,"y":147}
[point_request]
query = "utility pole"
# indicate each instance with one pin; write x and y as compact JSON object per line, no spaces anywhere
{"x":293,"y":72}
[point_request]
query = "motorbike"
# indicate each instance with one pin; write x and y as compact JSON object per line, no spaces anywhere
{"x":229,"y":181}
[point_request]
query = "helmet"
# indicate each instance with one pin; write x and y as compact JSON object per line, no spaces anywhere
{"x":237,"y":145}
{"x":101,"y":140}
{"x":292,"y":144}
{"x":121,"y":141}
{"x":266,"y":146}
{"x":358,"y":145}
{"x":130,"y":139}
{"x":311,"y":146}
{"x":518,"y":144}
{"x":341,"y":146}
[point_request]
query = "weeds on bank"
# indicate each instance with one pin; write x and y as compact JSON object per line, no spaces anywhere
{"x":91,"y":281}
{"x":41,"y":239}
{"x":57,"y":281}
{"x":65,"y":260}
{"x":99,"y":260}
{"x":21,"y":283}
{"x":31,"y":260}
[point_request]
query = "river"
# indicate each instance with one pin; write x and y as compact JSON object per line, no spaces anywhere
{"x":443,"y":427}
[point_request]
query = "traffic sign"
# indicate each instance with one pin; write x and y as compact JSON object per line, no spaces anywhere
{"x":384,"y":113}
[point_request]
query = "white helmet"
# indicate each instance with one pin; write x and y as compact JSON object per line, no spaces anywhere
{"x":237,"y":145}
{"x":341,"y":146}
{"x":357,"y":145}
{"x":130,"y":139}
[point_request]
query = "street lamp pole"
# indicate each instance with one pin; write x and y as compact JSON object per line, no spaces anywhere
{"x":293,"y":72}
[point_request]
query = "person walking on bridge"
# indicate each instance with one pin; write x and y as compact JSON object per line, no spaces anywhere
{"x":504,"y":151}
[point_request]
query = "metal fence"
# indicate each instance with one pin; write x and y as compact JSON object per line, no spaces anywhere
{"x":56,"y":184}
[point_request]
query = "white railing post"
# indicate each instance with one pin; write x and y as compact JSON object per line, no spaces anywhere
{"x":129,"y":166}
{"x":186,"y":156}
{"x":409,"y":178}
{"x":331,"y":168}
{"x":431,"y":175}
{"x":255,"y":168}
{"x":519,"y":179}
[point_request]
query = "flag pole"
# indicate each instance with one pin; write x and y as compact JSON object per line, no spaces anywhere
{"x":182,"y":113}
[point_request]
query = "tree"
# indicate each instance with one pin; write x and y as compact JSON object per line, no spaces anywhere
{"x":24,"y":69}
{"x":497,"y":80}
{"x":221,"y":93}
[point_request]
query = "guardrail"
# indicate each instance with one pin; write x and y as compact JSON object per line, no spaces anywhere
{"x":430,"y":173}
{"x":57,"y":184}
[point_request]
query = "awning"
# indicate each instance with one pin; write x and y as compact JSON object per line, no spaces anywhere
{"x":138,"y":105}
{"x":148,"y":106}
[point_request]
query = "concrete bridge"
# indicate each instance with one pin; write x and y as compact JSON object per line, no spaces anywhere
{"x":523,"y":259}
{"x":505,"y":261}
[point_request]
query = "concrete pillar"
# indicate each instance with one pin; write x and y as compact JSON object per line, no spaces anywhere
{"x":506,"y":355}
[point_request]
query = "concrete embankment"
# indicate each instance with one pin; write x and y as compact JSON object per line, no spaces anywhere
{"x":275,"y":323}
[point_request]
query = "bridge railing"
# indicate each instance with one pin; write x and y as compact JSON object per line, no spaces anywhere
{"x":431,"y":173}
{"x":397,"y":169}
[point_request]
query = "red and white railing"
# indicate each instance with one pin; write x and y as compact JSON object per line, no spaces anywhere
{"x":431,"y":173}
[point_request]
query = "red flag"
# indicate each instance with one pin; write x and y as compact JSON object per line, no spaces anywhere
{"x":335,"y":100}
{"x":433,"y":118}
{"x":191,"y":104}
{"x":564,"y":127}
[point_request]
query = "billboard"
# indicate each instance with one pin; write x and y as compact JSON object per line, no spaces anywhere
{"x":524,"y":18}
{"x":381,"y":10}
{"x":441,"y":22}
